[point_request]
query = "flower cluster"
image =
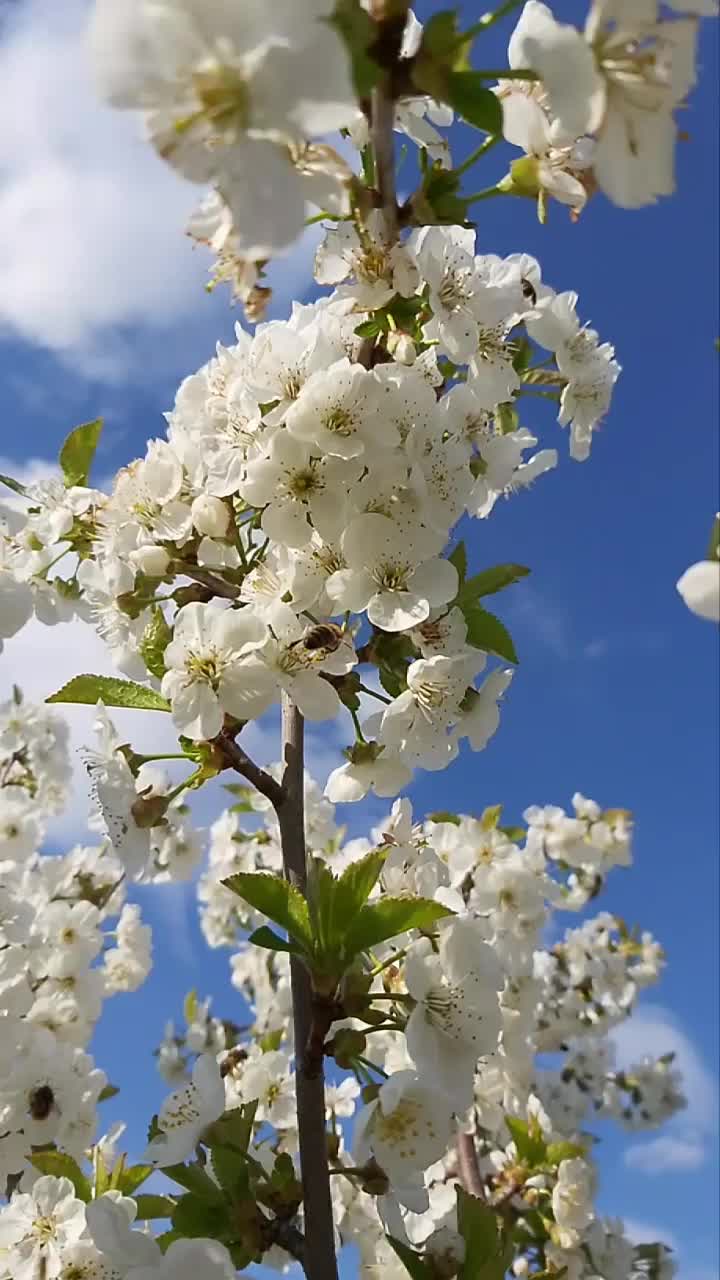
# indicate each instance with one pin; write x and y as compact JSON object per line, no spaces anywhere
{"x":59,"y":960}
{"x":447,"y":1030}
{"x":294,"y":539}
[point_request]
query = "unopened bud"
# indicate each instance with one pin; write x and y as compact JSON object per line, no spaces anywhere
{"x":151,"y":560}
{"x":401,"y":347}
{"x":210,"y":516}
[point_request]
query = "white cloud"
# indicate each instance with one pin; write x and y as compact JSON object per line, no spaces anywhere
{"x":93,"y":259}
{"x":665,"y":1154}
{"x":653,"y":1031}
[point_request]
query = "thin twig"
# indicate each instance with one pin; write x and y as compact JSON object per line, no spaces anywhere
{"x":207,"y":579}
{"x":240,"y":761}
{"x":468,"y":1166}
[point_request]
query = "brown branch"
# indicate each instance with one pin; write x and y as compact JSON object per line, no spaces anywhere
{"x":240,"y":761}
{"x":218,"y":586}
{"x":320,"y":1262}
{"x":382,"y":121}
{"x":468,"y":1166}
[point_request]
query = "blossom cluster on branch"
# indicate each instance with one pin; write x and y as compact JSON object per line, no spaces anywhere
{"x":292,"y":539}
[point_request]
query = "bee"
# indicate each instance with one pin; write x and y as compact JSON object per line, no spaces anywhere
{"x":529,"y":291}
{"x":41,"y":1102}
{"x":326,"y":636}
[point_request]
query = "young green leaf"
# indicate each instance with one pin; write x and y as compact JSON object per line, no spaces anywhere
{"x":478,"y":1226}
{"x":113,"y":692}
{"x":413,"y":1262}
{"x":458,"y":557}
{"x":467,"y":94}
{"x":15,"y":485}
{"x":154,"y":1207}
{"x":155,"y":640}
{"x":190,"y":1006}
{"x":385,"y":919}
{"x":196,"y":1218}
{"x":128,"y":1180}
{"x":531,"y":1147}
{"x":276,"y":899}
{"x":234,"y":1129}
{"x":194,"y":1178}
{"x":271,"y":941}
{"x":487,"y":632}
{"x":78,"y":451}
{"x":108,"y":1091}
{"x":61,"y":1165}
{"x":356,"y":884}
{"x":231,"y":1171}
{"x":489,"y":582}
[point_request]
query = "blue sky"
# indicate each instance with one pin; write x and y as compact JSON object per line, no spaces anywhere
{"x":102,"y":311}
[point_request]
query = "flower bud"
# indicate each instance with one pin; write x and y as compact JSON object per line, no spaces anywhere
{"x":210,"y":516}
{"x":151,"y":560}
{"x":401,"y":347}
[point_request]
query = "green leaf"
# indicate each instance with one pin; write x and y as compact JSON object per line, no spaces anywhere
{"x":507,"y":418}
{"x":379,"y":921}
{"x":559,"y":1151}
{"x":514,"y":834}
{"x":442,"y":815}
{"x":109,"y":1091}
{"x":487,"y":632}
{"x":234,"y":1128}
{"x":190,"y":1006}
{"x":61,"y":1165}
{"x":113,"y":692}
{"x":271,"y":941}
{"x":155,"y":640}
{"x":195,"y":1218}
{"x":370,"y":328}
{"x":276,"y":899}
{"x":440,"y":33}
{"x":412,"y":1261}
{"x":478,"y":1227}
{"x":357,"y":883}
{"x":231,"y":1171}
{"x":15,"y":485}
{"x":128,"y":1180}
{"x":458,"y":557}
{"x":467,"y":94}
{"x":531,"y":1145}
{"x":78,"y":451}
{"x":489,"y":582}
{"x":194,"y":1178}
{"x":154,"y":1207}
{"x":335,"y":903}
{"x":358,"y":32}
{"x":167,"y":1238}
{"x":392,"y":681}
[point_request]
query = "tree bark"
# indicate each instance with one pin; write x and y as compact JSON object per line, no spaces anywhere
{"x":320,"y":1261}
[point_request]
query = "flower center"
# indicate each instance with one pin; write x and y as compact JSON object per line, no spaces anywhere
{"x":339,"y":421}
{"x":44,"y":1228}
{"x":391,"y":577}
{"x":204,"y":666}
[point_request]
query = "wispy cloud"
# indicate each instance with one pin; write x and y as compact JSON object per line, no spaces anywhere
{"x":550,"y":624}
{"x":683,"y":1147}
{"x":93,"y":259}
